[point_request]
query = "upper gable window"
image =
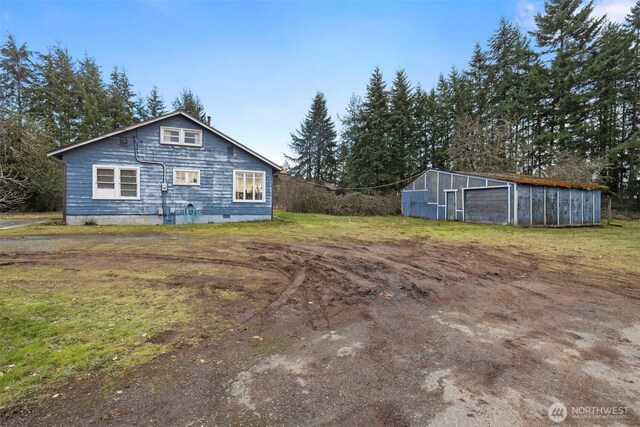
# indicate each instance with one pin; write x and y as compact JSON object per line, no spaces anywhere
{"x":180,"y":136}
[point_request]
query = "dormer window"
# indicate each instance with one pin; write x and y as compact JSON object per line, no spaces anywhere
{"x":180,"y":136}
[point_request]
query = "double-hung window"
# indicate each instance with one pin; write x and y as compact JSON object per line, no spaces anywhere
{"x":116,"y":182}
{"x":186,"y":177}
{"x":248,"y":186}
{"x":180,"y":136}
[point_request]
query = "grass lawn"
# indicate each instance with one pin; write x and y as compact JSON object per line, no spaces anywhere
{"x":33,"y":215}
{"x":60,"y":320}
{"x":57,"y":323}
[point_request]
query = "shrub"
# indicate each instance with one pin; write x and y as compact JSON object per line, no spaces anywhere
{"x":296,"y":195}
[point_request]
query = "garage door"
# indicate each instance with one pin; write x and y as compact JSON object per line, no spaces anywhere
{"x":487,"y":205}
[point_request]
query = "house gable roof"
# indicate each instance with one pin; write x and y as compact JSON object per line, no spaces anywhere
{"x":56,"y":153}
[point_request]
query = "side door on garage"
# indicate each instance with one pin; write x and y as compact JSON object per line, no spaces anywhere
{"x":450,"y":204}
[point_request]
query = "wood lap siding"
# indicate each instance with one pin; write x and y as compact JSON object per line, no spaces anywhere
{"x":214,"y":195}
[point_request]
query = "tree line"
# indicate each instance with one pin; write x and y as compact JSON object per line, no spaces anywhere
{"x":49,"y":100}
{"x":562,"y":100}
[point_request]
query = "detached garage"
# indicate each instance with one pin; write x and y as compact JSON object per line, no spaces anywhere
{"x":505,"y":199}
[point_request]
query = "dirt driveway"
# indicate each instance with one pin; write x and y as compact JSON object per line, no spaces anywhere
{"x":388,"y":333}
{"x":6,"y":224}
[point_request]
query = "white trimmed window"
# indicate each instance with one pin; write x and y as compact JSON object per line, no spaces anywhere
{"x":186,"y":177}
{"x":180,"y":136}
{"x":248,"y":186}
{"x":116,"y":182}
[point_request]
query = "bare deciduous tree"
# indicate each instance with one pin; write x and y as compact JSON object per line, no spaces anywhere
{"x":10,"y":197}
{"x":573,"y":167}
{"x":474,"y":148}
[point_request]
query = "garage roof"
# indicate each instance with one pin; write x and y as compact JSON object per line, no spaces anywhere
{"x":536,"y":180}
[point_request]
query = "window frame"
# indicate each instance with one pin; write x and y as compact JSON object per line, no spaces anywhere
{"x":264,"y":185}
{"x":95,"y":194}
{"x":182,"y":136}
{"x":189,"y":184}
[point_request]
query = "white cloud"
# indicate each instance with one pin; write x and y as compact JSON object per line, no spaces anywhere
{"x":525,"y":11}
{"x":616,"y":10}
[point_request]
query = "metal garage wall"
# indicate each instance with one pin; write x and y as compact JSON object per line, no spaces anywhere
{"x":459,"y":182}
{"x":557,"y":206}
{"x":414,"y":203}
{"x":433,"y":185}
{"x":564,"y":195}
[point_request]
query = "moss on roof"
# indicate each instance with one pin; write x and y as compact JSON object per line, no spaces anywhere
{"x":537,"y":180}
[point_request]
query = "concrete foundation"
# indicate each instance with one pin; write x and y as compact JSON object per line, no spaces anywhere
{"x":156,"y":219}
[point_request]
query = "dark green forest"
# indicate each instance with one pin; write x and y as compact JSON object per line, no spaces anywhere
{"x":561,"y":101}
{"x":51,"y":99}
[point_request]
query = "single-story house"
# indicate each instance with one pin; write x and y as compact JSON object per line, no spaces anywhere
{"x":170,"y":169}
{"x":499,"y":198}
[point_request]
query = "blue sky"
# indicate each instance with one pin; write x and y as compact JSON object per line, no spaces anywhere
{"x":256,"y":65}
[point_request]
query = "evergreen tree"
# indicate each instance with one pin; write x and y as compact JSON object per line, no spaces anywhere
{"x":140,"y":108}
{"x":422,"y":114}
{"x":566,"y":32}
{"x":515,"y":77}
{"x":632,"y":24}
{"x":57,"y":96}
{"x":370,"y":160}
{"x":16,"y":77}
{"x":121,"y":100}
{"x":351,"y":128}
{"x":191,"y":104}
{"x":314,"y":145}
{"x":93,"y":100}
{"x":441,"y":126}
{"x":402,"y":143}
{"x":155,"y":104}
{"x":454,"y":99}
{"x":478,"y":77}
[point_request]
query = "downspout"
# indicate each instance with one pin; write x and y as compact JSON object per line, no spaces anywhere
{"x":273,"y":179}
{"x":163,"y":187}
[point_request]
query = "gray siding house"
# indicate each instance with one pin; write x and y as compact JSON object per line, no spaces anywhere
{"x":505,"y":199}
{"x":171,"y":169}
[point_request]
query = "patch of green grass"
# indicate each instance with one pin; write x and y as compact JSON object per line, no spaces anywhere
{"x":32,"y":215}
{"x":50,"y":330}
{"x":257,"y":228}
{"x":228,"y":295}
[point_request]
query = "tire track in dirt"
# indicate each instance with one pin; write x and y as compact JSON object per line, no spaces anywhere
{"x":496,"y":322}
